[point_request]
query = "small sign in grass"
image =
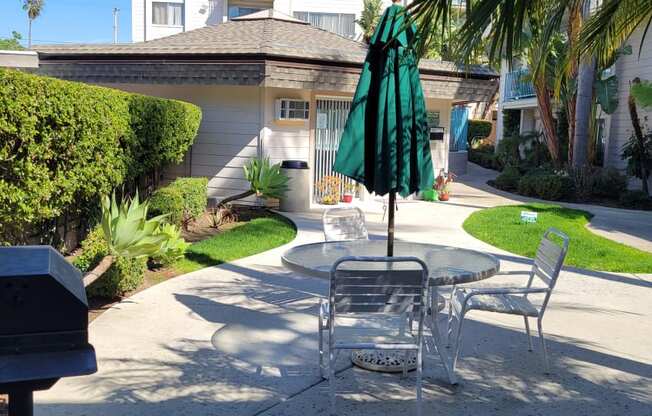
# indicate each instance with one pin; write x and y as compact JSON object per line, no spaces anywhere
{"x":502,"y":227}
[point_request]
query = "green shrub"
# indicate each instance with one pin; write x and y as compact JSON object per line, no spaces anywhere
{"x":485,"y":157}
{"x":527,"y":185}
{"x":64,"y":143}
{"x":478,"y":129}
{"x":122,"y":277}
{"x":509,"y":178}
{"x":609,"y":183}
{"x":554,"y":187}
{"x":549,"y":186}
{"x":193,"y":191}
{"x":167,"y":200}
{"x":184,"y":200}
{"x":635,"y":199}
{"x":507,"y":151}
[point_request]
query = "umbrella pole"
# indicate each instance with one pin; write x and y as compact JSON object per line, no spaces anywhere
{"x":390,"y":224}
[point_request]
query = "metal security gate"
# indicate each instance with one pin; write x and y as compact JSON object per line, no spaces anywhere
{"x":331,"y":117}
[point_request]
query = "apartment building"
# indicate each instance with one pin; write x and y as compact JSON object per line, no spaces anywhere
{"x":153,"y":19}
{"x":517,"y":93}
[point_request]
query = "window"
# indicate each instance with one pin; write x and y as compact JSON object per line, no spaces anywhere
{"x":237,"y":11}
{"x":340,"y":23}
{"x":167,"y":14}
{"x":288,"y":109}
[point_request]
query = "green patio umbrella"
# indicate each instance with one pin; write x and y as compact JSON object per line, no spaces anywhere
{"x":385,"y":140}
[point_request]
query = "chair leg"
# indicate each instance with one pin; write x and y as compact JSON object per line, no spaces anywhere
{"x":458,"y":339}
{"x":331,"y":379}
{"x":419,"y":378}
{"x":543,"y":347}
{"x":527,"y":329}
{"x":449,"y":329}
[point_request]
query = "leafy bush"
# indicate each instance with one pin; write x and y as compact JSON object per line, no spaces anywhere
{"x":609,"y":183}
{"x":507,"y":151}
{"x":124,"y":275}
{"x":546,"y":185}
{"x":485,"y":157}
{"x":184,"y":200}
{"x":478,"y":129}
{"x":64,"y":143}
{"x":527,"y":185}
{"x":509,"y":178}
{"x":193,"y":191}
{"x":174,"y":246}
{"x":167,"y":201}
{"x":635,"y":199}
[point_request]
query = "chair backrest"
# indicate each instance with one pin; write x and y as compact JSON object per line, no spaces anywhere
{"x":369,"y":285}
{"x":341,"y":224}
{"x":549,"y":260}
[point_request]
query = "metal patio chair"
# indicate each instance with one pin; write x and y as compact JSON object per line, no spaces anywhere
{"x":341,"y":224}
{"x":366,"y":288}
{"x":546,"y":267}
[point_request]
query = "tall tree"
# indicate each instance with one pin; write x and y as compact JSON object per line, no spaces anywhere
{"x":369,"y":17}
{"x":504,"y":22}
{"x":33,"y":9}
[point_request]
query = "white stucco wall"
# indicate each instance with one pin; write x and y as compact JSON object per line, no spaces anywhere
{"x":620,"y":124}
{"x":439,"y":149}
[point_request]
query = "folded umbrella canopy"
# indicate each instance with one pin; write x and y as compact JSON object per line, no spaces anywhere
{"x":385,"y":140}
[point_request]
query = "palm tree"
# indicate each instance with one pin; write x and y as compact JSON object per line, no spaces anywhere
{"x":369,"y":17}
{"x":33,"y":9}
{"x":611,"y":25}
{"x":505,"y":21}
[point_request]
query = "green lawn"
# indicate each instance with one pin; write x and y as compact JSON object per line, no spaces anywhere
{"x":253,"y":237}
{"x":501,"y":227}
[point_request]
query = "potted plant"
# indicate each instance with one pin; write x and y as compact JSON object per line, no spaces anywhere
{"x":328,"y":189}
{"x":443,"y":184}
{"x":349,"y":191}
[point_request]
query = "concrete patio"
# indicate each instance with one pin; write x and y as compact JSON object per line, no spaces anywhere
{"x":241,"y":339}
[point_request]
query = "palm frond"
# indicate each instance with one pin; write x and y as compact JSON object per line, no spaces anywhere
{"x":612,"y":24}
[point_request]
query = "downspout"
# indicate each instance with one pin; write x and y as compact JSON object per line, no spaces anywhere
{"x":145,"y":20}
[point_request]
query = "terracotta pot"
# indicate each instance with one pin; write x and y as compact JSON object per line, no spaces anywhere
{"x":348,"y":198}
{"x":443,"y":196}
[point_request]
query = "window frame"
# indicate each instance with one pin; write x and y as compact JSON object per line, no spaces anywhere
{"x":291,"y":109}
{"x":169,"y":5}
{"x":296,"y":14}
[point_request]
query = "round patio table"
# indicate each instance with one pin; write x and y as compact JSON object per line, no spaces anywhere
{"x":446,"y":266}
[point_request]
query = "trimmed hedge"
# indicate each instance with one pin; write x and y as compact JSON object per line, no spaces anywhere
{"x":184,"y":200}
{"x":548,"y":186}
{"x":62,"y":144}
{"x":508,"y":179}
{"x":123,"y":276}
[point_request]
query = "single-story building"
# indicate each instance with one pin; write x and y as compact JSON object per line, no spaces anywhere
{"x":269,"y":85}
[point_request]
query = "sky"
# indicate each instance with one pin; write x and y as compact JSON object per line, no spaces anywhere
{"x":68,"y":21}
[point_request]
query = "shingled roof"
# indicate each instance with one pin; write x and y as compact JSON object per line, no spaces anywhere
{"x":267,"y":34}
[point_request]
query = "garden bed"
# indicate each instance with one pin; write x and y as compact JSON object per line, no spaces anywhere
{"x":256,"y":230}
{"x":502,"y":228}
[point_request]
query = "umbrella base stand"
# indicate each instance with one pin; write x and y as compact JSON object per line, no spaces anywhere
{"x":384,"y":361}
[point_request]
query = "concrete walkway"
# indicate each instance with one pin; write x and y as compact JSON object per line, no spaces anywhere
{"x":240,"y":339}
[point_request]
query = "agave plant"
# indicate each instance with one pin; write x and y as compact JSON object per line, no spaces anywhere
{"x":128,"y":233}
{"x":173,"y":247}
{"x":265,"y":181}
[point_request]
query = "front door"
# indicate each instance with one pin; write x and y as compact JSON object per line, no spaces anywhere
{"x":331,"y":118}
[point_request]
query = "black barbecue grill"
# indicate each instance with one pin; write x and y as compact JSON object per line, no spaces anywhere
{"x":43,"y":324}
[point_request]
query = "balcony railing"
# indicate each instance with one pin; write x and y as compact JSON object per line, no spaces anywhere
{"x":518,"y":86}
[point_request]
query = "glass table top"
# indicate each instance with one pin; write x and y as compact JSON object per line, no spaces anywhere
{"x":446,"y":265}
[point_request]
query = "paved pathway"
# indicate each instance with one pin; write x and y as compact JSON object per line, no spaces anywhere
{"x":240,"y":339}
